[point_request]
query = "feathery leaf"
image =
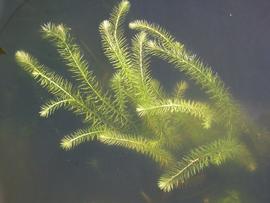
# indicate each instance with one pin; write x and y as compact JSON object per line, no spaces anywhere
{"x":198,"y":159}
{"x":111,"y":137}
{"x":196,"y":109}
{"x":144,"y":146}
{"x":52,"y":105}
{"x":54,"y":83}
{"x":202,"y":75}
{"x":174,"y":52}
{"x":70,"y":52}
{"x":153,"y":30}
{"x":144,"y":92}
{"x":78,"y":137}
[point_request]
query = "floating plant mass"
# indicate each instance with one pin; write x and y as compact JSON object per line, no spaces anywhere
{"x":135,"y":112}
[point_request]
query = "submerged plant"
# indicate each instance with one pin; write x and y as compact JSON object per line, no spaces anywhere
{"x":181,"y":135}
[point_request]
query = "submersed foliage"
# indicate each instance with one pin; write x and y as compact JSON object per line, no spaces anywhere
{"x":135,"y":112}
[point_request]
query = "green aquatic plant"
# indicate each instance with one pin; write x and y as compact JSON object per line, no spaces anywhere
{"x":183,"y":136}
{"x":231,"y":196}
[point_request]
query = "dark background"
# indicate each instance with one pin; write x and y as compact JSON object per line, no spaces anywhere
{"x":232,"y":36}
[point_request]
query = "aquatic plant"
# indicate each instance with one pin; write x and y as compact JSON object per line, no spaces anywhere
{"x":134,"y":111}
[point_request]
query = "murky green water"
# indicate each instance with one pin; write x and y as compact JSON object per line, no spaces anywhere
{"x":230,"y":36}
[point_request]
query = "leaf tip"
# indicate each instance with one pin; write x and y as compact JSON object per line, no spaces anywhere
{"x":65,"y":144}
{"x":105,"y":24}
{"x":43,"y":113}
{"x":20,"y":54}
{"x":132,"y":25}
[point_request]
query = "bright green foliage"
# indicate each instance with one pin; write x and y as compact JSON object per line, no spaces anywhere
{"x":135,"y":112}
{"x":112,"y":137}
{"x":167,"y":48}
{"x":70,"y":52}
{"x":56,"y":85}
{"x":199,"y":158}
{"x":196,"y":109}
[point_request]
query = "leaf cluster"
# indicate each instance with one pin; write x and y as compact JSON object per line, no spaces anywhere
{"x":135,"y":112}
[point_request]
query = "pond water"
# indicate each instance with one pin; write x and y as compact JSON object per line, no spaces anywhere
{"x":233,"y":37}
